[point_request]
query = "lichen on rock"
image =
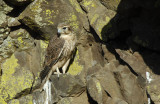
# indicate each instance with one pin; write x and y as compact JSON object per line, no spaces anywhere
{"x":17,"y":40}
{"x":117,"y":51}
{"x":75,"y":68}
{"x":14,"y":79}
{"x":99,"y":16}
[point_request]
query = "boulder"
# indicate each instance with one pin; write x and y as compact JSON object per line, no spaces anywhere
{"x":4,"y":7}
{"x":14,"y":78}
{"x":98,"y":16}
{"x":40,"y":16}
{"x":83,"y":98}
{"x":13,"y":22}
{"x":17,"y":40}
{"x":111,"y":4}
{"x":128,"y":81}
{"x":153,"y":90}
{"x":96,"y":90}
{"x":116,"y":59}
{"x":67,"y":85}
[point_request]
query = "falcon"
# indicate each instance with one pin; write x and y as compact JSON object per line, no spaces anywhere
{"x":59,"y":52}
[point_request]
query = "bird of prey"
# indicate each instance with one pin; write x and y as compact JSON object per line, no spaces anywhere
{"x":59,"y":52}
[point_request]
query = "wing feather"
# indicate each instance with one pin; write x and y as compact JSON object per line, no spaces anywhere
{"x":54,"y":51}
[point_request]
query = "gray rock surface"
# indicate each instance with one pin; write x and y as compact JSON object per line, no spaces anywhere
{"x":116,"y":61}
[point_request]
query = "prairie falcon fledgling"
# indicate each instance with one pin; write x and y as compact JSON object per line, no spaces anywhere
{"x":59,"y":52}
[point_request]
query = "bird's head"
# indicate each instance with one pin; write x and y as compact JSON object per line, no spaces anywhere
{"x":64,"y":29}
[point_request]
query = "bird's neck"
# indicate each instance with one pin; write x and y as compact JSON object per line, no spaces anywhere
{"x":66,"y":37}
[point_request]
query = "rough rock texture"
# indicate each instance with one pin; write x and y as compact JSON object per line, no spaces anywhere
{"x":98,"y":15}
{"x":116,"y":61}
{"x":44,"y":16}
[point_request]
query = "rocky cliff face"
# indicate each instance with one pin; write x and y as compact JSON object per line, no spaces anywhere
{"x":116,"y":62}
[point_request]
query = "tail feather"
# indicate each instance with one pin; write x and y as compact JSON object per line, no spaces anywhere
{"x":44,"y":72}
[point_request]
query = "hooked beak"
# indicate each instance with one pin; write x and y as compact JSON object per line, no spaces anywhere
{"x":59,"y":32}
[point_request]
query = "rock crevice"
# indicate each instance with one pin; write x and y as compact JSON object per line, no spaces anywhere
{"x":116,"y":61}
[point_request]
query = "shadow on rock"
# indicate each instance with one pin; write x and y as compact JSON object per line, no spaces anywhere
{"x":135,"y":28}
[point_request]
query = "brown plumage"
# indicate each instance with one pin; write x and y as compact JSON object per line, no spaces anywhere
{"x":59,"y":51}
{"x":53,"y":51}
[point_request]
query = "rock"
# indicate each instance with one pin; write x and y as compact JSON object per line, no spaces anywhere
{"x":153,"y":90}
{"x":96,"y":90}
{"x":116,"y":101}
{"x":108,"y":82}
{"x":75,"y":68}
{"x":109,"y":56}
{"x":48,"y":96}
{"x":116,"y":60}
{"x":14,"y":79}
{"x":144,"y":23}
{"x":17,"y":40}
{"x":37,"y":98}
{"x":44,"y":97}
{"x":98,"y":16}
{"x":6,"y":48}
{"x":25,"y":100}
{"x":134,"y":61}
{"x":4,"y":7}
{"x":1,"y":40}
{"x":83,"y":98}
{"x":128,"y":81}
{"x":111,"y":4}
{"x":45,"y":18}
{"x":123,"y":80}
{"x":4,"y":32}
{"x":67,"y":85}
{"x":103,"y":77}
{"x":89,"y":53}
{"x":21,"y":71}
{"x":13,"y":22}
{"x":3,"y":19}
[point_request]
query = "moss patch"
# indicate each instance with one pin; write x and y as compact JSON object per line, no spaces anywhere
{"x":98,"y":85}
{"x":43,"y":45}
{"x":76,"y":6}
{"x":75,"y":68}
{"x":15,"y":101}
{"x":89,"y":4}
{"x":99,"y":23}
{"x":50,"y":15}
{"x":14,"y":79}
{"x":72,"y":19}
{"x":93,"y":20}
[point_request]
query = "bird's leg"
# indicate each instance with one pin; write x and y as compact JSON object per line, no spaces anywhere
{"x":57,"y":71}
{"x":64,"y":68}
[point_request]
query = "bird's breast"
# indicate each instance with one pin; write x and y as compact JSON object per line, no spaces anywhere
{"x":69,"y":46}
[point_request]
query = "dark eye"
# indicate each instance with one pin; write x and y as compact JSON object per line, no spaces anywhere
{"x":64,"y":28}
